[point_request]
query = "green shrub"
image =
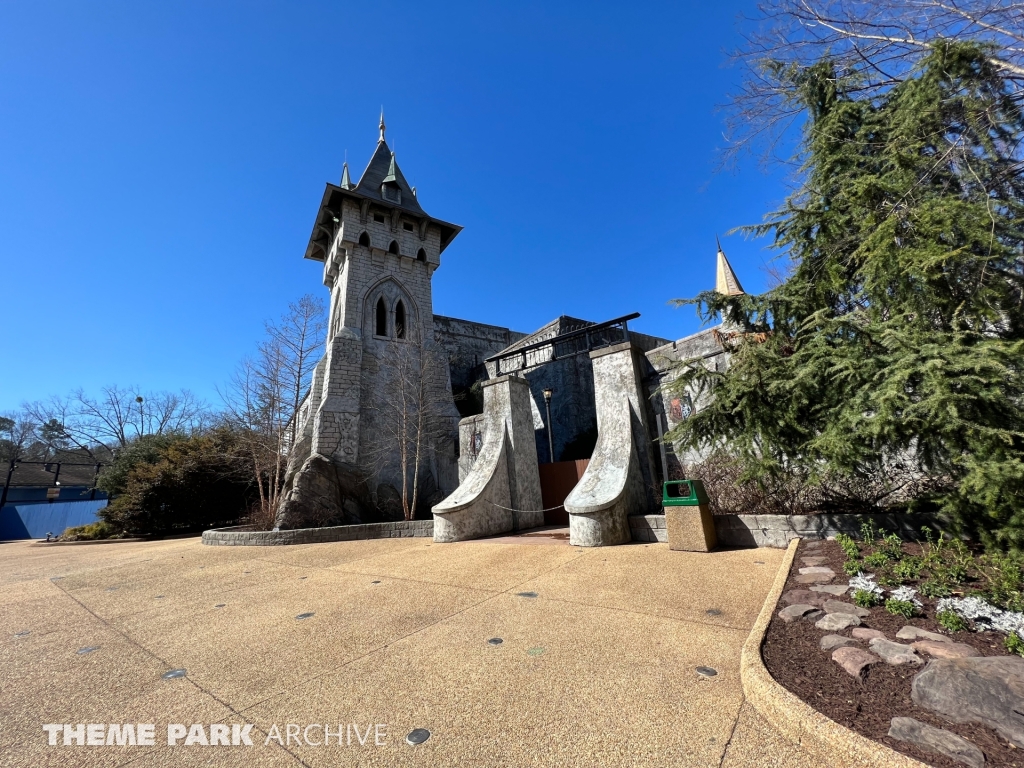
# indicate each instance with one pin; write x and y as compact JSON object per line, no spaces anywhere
{"x":953,"y":622}
{"x":91,"y":532}
{"x":853,"y":567}
{"x":1005,"y":576}
{"x":848,"y":545}
{"x":868,"y":532}
{"x":934,"y":589}
{"x":903,"y":608}
{"x":886,"y":579}
{"x":891,"y":546}
{"x":866,"y":599}
{"x":876,"y":560}
{"x":907,"y":569}
{"x":197,"y":483}
{"x":1014,"y":644}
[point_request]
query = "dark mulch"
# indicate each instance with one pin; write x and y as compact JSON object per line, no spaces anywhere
{"x":793,"y":657}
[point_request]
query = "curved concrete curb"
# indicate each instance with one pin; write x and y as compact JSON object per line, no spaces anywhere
{"x":793,"y":718}
{"x":243,"y":536}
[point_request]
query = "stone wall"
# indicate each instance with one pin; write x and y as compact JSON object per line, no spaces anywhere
{"x":468,"y":344}
{"x":671,"y":409}
{"x":778,"y":530}
{"x":242,"y":536}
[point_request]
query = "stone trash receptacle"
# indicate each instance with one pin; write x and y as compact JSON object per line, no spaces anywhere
{"x":691,"y":528}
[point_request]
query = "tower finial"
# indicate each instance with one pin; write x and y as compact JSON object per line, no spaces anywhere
{"x":718,"y":243}
{"x":382,"y":126}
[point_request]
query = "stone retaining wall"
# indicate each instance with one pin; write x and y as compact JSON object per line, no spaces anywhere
{"x":778,"y":530}
{"x":242,"y":536}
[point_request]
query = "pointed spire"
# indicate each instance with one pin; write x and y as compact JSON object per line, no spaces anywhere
{"x":382,"y":126}
{"x":726,"y":282}
{"x":392,"y":171}
{"x":346,"y":182}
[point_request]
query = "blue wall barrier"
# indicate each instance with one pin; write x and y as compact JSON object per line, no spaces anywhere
{"x":34,"y":521}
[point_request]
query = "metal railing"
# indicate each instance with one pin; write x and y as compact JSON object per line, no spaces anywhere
{"x":575,"y":342}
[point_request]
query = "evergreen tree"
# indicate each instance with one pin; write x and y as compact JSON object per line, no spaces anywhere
{"x":898,"y":335}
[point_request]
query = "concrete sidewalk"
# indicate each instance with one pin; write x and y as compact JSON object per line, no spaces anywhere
{"x":598,"y":669}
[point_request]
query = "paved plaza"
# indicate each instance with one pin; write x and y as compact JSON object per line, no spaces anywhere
{"x":596,"y":664}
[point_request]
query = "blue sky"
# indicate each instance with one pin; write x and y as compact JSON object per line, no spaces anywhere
{"x":162,"y":163}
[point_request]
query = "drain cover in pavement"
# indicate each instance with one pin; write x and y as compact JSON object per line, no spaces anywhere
{"x":707,"y":671}
{"x":88,"y":649}
{"x":495,"y":641}
{"x":173,"y":674}
{"x":417,"y":736}
{"x":526,"y":594}
{"x":305,"y":615}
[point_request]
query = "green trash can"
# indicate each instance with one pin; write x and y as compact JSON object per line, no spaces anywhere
{"x":688,"y":518}
{"x":683,"y":493}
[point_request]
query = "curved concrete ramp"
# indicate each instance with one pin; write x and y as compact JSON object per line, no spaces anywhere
{"x":618,"y":480}
{"x":501,"y":493}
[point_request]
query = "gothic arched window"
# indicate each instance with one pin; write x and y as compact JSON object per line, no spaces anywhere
{"x":381,"y":327}
{"x":364,"y":239}
{"x":400,"y":320}
{"x":393,"y":248}
{"x":422,"y":255}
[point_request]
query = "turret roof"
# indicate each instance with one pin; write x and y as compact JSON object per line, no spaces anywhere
{"x":726,"y":282}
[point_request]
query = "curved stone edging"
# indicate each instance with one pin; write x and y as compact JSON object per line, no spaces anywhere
{"x":242,"y":536}
{"x":790,"y":715}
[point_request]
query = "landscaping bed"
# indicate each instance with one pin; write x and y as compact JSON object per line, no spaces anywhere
{"x":870,"y":690}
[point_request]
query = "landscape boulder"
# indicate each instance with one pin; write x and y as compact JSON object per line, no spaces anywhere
{"x":831,"y":642}
{"x":833,"y":622}
{"x":832,"y":589}
{"x":916,"y":633}
{"x":863,"y":633}
{"x":796,"y":611}
{"x":988,"y":690}
{"x":838,"y":606}
{"x":895,"y":653}
{"x":855,"y":661}
{"x":945,"y":649}
{"x":932,"y":739}
{"x":802,"y":596}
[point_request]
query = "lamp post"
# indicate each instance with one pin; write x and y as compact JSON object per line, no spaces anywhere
{"x":551,"y":442}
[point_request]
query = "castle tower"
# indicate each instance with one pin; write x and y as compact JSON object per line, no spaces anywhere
{"x":379,"y":249}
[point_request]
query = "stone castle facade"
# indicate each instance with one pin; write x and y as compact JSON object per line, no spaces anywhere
{"x":379,"y":251}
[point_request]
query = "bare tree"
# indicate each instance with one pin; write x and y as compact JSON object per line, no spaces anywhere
{"x":298,"y":340}
{"x":263,"y":398}
{"x":17,"y":433}
{"x":877,"y":41}
{"x":116,"y":417}
{"x":411,"y":415}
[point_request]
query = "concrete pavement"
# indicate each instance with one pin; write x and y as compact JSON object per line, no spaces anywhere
{"x":597,"y":670}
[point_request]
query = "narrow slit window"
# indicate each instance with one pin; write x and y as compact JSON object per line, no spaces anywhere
{"x":382,"y":318}
{"x":400,"y":320}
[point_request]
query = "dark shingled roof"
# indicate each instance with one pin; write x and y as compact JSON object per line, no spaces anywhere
{"x":383,"y":166}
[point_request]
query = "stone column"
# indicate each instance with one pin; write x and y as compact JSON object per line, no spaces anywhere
{"x":619,"y":479}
